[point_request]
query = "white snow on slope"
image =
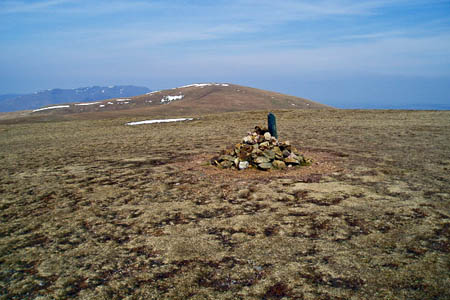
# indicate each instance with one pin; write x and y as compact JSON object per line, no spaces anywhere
{"x":51,"y":107}
{"x":159,"y":121}
{"x":201,"y":85}
{"x":154,"y":92}
{"x":123,"y":99}
{"x":90,"y":103}
{"x":171,"y":98}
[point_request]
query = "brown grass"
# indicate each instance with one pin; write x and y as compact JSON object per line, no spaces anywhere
{"x":196,"y":101}
{"x":93,"y":209}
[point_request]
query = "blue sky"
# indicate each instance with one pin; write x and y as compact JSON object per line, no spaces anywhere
{"x":344,"y":53}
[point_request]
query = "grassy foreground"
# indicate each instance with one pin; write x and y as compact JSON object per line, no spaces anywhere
{"x":94,"y":209}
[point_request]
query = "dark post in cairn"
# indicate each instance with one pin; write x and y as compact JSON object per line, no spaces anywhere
{"x":272,"y":124}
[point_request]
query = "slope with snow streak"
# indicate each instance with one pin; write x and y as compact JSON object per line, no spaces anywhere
{"x":168,"y":99}
{"x":159,"y":121}
{"x":51,"y":107}
{"x":201,"y":85}
{"x":193,"y":99}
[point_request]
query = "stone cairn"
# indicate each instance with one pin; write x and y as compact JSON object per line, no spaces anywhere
{"x":259,"y":149}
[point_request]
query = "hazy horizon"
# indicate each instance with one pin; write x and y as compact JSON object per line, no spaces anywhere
{"x":347,"y":54}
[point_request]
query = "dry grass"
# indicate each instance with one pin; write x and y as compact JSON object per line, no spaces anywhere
{"x":93,"y":209}
{"x":196,"y":101}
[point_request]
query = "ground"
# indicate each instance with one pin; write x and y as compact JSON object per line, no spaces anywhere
{"x":94,"y":209}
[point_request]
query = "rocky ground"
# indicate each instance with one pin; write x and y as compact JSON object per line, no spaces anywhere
{"x":94,"y":209}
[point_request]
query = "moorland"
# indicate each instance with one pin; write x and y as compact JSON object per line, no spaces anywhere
{"x":93,"y":209}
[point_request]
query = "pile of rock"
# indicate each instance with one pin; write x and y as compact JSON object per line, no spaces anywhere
{"x":259,"y":149}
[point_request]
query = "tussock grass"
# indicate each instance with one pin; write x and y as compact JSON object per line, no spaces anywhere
{"x":93,"y":209}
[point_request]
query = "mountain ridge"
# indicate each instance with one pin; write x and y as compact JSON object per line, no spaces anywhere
{"x":189,"y":100}
{"x":193,"y":99}
{"x":16,"y":102}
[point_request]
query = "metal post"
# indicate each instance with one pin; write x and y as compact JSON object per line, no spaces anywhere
{"x":272,"y":125}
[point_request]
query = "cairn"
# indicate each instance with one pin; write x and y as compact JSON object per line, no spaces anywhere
{"x":259,"y":149}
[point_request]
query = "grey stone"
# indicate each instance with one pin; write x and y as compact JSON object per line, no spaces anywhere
{"x":265,"y":166}
{"x":264,"y":145}
{"x":262,"y":159}
{"x":269,"y":154}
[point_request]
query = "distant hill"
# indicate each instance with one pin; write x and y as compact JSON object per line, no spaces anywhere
{"x":192,"y":99}
{"x":39,"y":99}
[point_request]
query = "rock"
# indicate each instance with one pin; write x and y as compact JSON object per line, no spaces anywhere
{"x":248,"y":140}
{"x":278,"y":164}
{"x":260,"y":149}
{"x":262,"y":160}
{"x":260,"y":139}
{"x":264,"y":145}
{"x":285,"y":146}
{"x":265,"y":166}
{"x":245,"y":152}
{"x":243,"y":165}
{"x":226,"y":157}
{"x":292,"y":159}
{"x":278,"y":153}
{"x":226,"y":164}
{"x":269,"y":154}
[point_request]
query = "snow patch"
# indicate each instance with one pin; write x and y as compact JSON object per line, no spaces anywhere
{"x":201,"y":85}
{"x":171,"y":98}
{"x":101,"y":105}
{"x":159,"y":121}
{"x":154,"y":92}
{"x":122,"y":99}
{"x":51,"y":107}
{"x":110,"y":103}
{"x":90,"y":103}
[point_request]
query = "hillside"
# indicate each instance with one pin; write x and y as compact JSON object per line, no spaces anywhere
{"x":192,"y":99}
{"x":14,"y":102}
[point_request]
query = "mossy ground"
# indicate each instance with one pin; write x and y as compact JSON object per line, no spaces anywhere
{"x":94,"y":209}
